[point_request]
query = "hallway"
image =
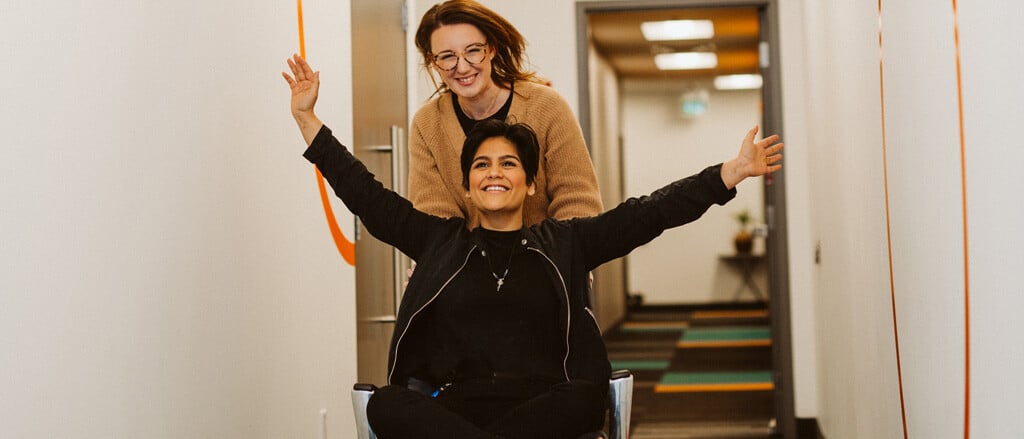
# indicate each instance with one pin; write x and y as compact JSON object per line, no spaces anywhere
{"x":701,"y":372}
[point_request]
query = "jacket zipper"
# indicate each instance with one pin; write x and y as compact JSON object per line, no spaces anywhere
{"x":413,"y":316}
{"x":568,"y":310}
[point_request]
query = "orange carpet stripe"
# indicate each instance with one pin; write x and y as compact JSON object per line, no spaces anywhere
{"x":723,"y":344}
{"x":638,"y":325}
{"x":739,"y":387}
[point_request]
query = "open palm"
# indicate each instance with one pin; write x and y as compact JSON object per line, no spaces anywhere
{"x":761,"y":157}
{"x":305,"y":84}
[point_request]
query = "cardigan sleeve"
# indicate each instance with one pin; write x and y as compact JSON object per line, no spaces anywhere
{"x":571,"y":180}
{"x":427,"y":189}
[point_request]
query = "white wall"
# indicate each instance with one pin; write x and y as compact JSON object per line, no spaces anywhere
{"x":888,"y":202}
{"x":167,"y":270}
{"x":660,"y":145}
{"x":797,"y":104}
{"x":550,"y":31}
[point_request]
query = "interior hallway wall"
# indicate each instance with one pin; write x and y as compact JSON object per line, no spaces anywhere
{"x":167,"y":270}
{"x":661,"y":145}
{"x":912,"y":197}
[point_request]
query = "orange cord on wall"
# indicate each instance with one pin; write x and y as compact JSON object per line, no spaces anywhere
{"x":345,"y":247}
{"x":963,"y":194}
{"x":888,"y":226}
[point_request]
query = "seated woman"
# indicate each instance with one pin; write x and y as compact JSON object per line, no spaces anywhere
{"x":493,"y":337}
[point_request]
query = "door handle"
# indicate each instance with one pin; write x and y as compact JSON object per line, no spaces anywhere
{"x":399,"y":184}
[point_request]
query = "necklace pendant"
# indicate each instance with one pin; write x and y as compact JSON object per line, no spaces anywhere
{"x":500,"y":283}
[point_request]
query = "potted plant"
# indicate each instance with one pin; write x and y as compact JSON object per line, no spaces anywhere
{"x":744,"y":240}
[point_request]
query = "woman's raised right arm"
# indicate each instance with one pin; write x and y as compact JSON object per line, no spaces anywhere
{"x":387,"y":215}
{"x":305,"y":87}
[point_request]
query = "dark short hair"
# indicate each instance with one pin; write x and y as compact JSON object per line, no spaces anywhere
{"x":519,"y":134}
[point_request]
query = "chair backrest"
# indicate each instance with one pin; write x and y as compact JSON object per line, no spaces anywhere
{"x":620,"y":404}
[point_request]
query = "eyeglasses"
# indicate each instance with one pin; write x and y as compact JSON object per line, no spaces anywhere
{"x":448,"y":60}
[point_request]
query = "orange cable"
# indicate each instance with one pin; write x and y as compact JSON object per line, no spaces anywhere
{"x":963,"y":195}
{"x":345,"y":247}
{"x":888,"y":225}
{"x":302,"y":33}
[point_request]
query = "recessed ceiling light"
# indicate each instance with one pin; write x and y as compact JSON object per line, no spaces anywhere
{"x":677,"y":30}
{"x":738,"y":82}
{"x":686,"y":60}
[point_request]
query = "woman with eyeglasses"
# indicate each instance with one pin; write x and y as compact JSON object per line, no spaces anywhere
{"x":478,"y":56}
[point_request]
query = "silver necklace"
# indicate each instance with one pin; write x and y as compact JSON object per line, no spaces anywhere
{"x":499,"y":279}
{"x":486,"y":110}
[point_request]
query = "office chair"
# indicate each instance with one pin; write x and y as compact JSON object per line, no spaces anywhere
{"x":620,"y":395}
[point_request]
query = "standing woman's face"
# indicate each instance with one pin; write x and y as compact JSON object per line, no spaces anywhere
{"x":467,"y":80}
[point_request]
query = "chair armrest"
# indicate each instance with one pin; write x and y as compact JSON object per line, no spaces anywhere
{"x":361,"y":394}
{"x":620,"y":395}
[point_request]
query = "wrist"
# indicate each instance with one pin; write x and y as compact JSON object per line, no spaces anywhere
{"x":308,"y":124}
{"x":732,"y":173}
{"x":303,"y":116}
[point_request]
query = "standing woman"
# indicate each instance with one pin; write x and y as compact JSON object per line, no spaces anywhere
{"x":478,"y":56}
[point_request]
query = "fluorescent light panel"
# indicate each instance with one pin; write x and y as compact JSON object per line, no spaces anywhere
{"x":686,"y":60}
{"x":672,"y":30}
{"x":738,"y":82}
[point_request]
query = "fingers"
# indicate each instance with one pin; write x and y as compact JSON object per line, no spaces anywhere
{"x":751,"y":134}
{"x":293,"y":65}
{"x":768,"y":140}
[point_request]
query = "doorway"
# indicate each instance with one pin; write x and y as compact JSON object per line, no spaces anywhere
{"x":379,"y":142}
{"x":602,"y":89}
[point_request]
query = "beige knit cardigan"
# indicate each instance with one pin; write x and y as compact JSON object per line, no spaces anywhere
{"x":566,"y":181}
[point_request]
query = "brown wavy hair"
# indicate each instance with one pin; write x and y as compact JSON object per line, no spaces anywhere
{"x":507,"y":44}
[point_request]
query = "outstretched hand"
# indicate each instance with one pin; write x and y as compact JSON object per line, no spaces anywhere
{"x":305,"y":85}
{"x":754,"y":159}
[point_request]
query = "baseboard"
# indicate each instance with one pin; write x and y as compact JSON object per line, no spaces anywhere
{"x":807,"y":428}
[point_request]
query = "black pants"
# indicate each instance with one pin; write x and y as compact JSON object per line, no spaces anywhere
{"x":485,"y":411}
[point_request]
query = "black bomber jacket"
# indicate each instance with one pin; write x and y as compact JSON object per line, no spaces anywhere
{"x":571,"y":248}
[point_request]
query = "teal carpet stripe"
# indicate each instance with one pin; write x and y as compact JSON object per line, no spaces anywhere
{"x":716,"y":377}
{"x":718,"y":334}
{"x":640,"y":364}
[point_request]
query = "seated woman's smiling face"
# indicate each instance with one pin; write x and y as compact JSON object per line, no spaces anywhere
{"x":497,"y":181}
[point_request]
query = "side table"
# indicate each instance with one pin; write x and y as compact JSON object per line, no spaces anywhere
{"x":745,"y":263}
